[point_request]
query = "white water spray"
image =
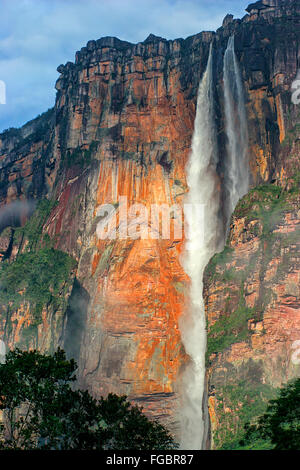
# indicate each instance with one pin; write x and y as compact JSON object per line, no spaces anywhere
{"x":203,"y":242}
{"x":2,"y":352}
{"x":236,"y":164}
{"x":204,"y":188}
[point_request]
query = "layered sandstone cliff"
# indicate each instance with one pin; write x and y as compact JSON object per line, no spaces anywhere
{"x":253,"y":310}
{"x":122,"y":126}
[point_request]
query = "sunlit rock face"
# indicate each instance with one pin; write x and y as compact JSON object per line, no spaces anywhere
{"x":122,"y":125}
{"x":253,"y":310}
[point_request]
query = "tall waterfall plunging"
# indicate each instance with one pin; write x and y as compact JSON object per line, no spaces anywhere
{"x":236,"y":163}
{"x":204,"y":190}
{"x":2,"y":352}
{"x":207,"y":238}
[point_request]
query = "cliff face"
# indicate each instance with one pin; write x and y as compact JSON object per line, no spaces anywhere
{"x":122,"y":126}
{"x":253,"y":310}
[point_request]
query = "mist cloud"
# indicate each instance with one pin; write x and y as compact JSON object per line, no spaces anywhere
{"x":12,"y":215}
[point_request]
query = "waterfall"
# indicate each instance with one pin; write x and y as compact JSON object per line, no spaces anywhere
{"x":2,"y":352}
{"x":236,"y":161}
{"x":207,"y":236}
{"x":203,"y":242}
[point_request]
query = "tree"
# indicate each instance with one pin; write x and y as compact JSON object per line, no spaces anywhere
{"x":42,"y":411}
{"x":279,"y":427}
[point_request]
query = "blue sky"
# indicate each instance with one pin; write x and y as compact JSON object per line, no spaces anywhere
{"x":38,"y":35}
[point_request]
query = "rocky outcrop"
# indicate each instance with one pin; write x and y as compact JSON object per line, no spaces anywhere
{"x":122,"y":126}
{"x":253,"y":310}
{"x":26,"y":160}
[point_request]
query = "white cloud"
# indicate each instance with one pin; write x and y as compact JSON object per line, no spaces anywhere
{"x":37,"y":35}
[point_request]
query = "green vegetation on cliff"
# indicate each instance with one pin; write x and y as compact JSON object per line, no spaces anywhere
{"x":39,"y":277}
{"x":258,"y":417}
{"x":279,"y":427}
{"x":265,"y":204}
{"x":246,"y":268}
{"x":81,"y":157}
{"x":230,"y":329}
{"x":32,"y":232}
{"x":263,"y":210}
{"x":38,"y":274}
{"x":239,"y":404}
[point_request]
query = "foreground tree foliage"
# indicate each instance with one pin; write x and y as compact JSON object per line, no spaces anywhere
{"x":41,"y":411}
{"x":279,"y":427}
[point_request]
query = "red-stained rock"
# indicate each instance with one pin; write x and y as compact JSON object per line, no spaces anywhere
{"x":267,"y":282}
{"x":122,"y":126}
